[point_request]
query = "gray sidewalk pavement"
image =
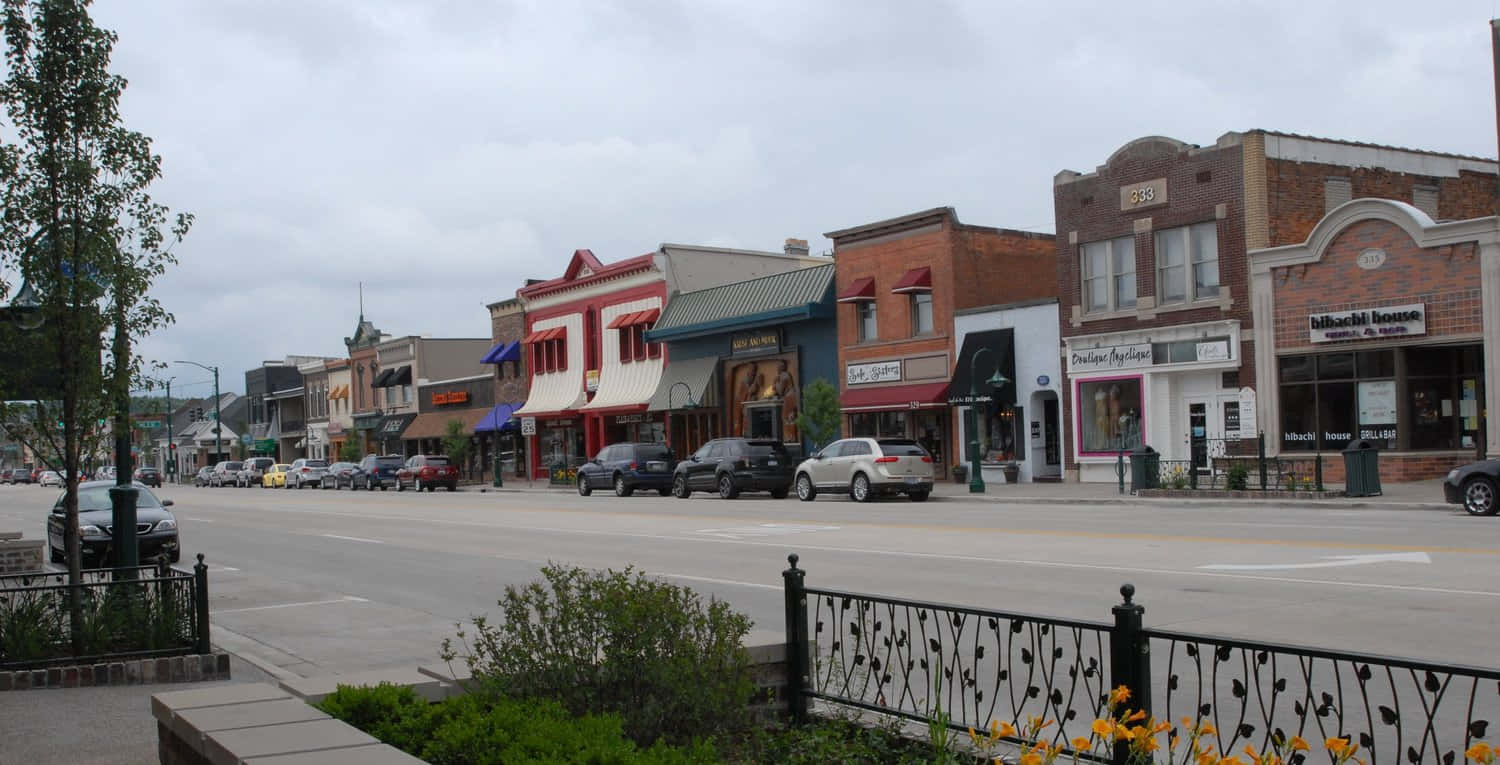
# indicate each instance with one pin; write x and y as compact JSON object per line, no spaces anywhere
{"x":1403,"y":496}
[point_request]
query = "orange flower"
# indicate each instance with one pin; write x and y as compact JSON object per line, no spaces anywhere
{"x":1102,"y":728}
{"x":1119,"y":695}
{"x":1207,"y":728}
{"x":1136,"y":716}
{"x":1481,"y":752}
{"x":1081,"y":744}
{"x":1297,"y":744}
{"x":1031,"y":758}
{"x":1004,"y":730}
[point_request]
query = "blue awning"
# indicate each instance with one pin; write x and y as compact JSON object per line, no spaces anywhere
{"x":499,"y":418}
{"x":507,"y":351}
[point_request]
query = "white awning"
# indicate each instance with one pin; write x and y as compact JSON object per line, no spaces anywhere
{"x":563,"y":390}
{"x":630,"y":384}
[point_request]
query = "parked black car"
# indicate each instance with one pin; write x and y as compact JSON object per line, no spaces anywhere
{"x":339,"y":475}
{"x":156,"y":528}
{"x":733,"y":465}
{"x":149,"y":476}
{"x":1476,"y":486}
{"x":377,"y":471}
{"x":627,"y":467}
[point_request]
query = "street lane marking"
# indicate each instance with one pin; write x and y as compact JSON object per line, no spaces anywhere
{"x":354,"y":539}
{"x":345,"y":599}
{"x":1330,"y":561}
{"x":763,"y":530}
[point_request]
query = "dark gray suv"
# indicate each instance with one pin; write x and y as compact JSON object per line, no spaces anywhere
{"x":252,"y":471}
{"x":732,"y":465}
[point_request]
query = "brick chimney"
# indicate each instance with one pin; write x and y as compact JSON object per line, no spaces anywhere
{"x":795,"y":247}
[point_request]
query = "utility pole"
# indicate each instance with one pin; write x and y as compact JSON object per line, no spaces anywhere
{"x":171,"y":448}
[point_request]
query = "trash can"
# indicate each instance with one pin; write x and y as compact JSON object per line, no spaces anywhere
{"x":1145,"y":464}
{"x":499,"y":466}
{"x":1361,"y":470}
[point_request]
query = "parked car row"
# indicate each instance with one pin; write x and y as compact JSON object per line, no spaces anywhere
{"x":864,"y":468}
{"x":422,"y":471}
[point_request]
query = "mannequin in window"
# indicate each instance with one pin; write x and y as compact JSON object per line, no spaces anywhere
{"x":1102,"y":436}
{"x":784,"y":387}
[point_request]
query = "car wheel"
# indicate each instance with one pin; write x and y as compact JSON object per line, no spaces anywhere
{"x":779,"y":493}
{"x":399,"y":486}
{"x":57,"y":557}
{"x":583,"y":487}
{"x":1479,"y":496}
{"x":430,"y":488}
{"x":621,"y":490}
{"x":727,"y":489}
{"x":452,"y":487}
{"x":664,"y":492}
{"x":859,"y":488}
{"x":680,"y":488}
{"x":805,"y":490}
{"x":917,"y":496}
{"x":418,"y":485}
{"x":382,"y":486}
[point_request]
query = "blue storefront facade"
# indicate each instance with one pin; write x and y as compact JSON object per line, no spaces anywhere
{"x":740,"y":355}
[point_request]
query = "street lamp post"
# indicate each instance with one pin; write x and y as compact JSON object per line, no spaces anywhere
{"x":997,"y":380}
{"x":671,"y":410}
{"x":218,"y":423}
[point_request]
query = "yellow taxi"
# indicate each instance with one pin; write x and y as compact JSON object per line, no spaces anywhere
{"x":275,"y":476}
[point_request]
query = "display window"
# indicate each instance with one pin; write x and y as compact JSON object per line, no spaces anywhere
{"x":1111,"y":414}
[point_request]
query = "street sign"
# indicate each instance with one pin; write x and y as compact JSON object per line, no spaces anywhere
{"x":528,"y":426}
{"x":148,"y":424}
{"x":246,"y":438}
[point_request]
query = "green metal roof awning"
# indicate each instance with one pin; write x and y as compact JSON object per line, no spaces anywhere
{"x":805,"y":293}
{"x":690,"y":378}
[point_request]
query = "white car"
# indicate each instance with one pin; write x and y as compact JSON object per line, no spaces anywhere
{"x":865,"y":468}
{"x":51,"y":478}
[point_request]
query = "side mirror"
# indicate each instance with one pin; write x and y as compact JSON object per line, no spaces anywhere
{"x":167,"y":503}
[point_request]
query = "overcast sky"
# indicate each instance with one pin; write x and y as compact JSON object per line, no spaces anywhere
{"x":442,"y":152}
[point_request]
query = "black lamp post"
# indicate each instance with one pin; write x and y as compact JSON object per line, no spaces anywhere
{"x":997,"y":380}
{"x":218,"y":424}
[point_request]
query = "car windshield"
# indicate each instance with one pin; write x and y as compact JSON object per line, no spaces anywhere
{"x":97,"y":498}
{"x":316,"y":463}
{"x":895,"y":448}
{"x":764,"y":449}
{"x":388,"y":462}
{"x":437,"y":461}
{"x":232,"y":466}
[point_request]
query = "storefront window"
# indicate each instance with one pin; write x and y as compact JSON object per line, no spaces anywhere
{"x":1335,"y":415}
{"x":1355,"y":398}
{"x":1000,"y":441}
{"x":1110,"y":414}
{"x":862,"y":425}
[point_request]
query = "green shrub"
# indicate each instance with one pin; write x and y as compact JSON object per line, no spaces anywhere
{"x":831,"y":741}
{"x":669,"y":664}
{"x":491,"y":730}
{"x":1238,"y":478}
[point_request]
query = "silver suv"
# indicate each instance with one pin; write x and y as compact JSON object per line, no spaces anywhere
{"x":252,"y":472}
{"x":224,"y":473}
{"x":306,"y":472}
{"x":866,"y":468}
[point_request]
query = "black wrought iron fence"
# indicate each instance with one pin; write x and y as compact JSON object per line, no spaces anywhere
{"x":969,"y":666}
{"x":136,"y":612}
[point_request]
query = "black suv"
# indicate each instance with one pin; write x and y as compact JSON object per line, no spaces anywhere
{"x":376,"y":470}
{"x":149,"y":476}
{"x":627,"y":467}
{"x":733,"y":465}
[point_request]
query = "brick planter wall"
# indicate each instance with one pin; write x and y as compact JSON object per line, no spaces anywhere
{"x":176,"y":669}
{"x":20,"y":556}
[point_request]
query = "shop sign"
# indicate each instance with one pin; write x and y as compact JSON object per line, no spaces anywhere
{"x":626,"y":419}
{"x":1218,"y":350}
{"x":591,"y":381}
{"x":1109,"y":358}
{"x":454,"y":397}
{"x":1248,"y":424}
{"x":878,"y":372}
{"x":757,"y":341}
{"x":528,"y":426}
{"x":1368,"y":323}
{"x":1377,"y":409}
{"x":1043,"y":380}
{"x":565,"y":422}
{"x":1232,"y":419}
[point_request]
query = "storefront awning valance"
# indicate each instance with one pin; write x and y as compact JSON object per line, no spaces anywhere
{"x":503,"y":352}
{"x":858,"y":292}
{"x":402,"y":376}
{"x":915,"y":280}
{"x":499,"y":418}
{"x":392,"y":425}
{"x":543,"y":335}
{"x":632,"y":319}
{"x":996,"y":353}
{"x":690,"y":379}
{"x":918,"y":396}
{"x":435,"y":424}
{"x":383,"y":379}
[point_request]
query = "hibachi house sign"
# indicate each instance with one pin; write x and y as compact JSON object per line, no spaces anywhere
{"x":1368,"y":323}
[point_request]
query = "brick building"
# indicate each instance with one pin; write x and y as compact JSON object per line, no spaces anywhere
{"x":1153,"y":277}
{"x":363,"y":370}
{"x":899,"y":282}
{"x":499,"y":431}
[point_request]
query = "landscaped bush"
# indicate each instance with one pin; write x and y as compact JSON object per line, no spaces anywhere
{"x":670,"y":665}
{"x":492,"y":730}
{"x":1238,"y":478}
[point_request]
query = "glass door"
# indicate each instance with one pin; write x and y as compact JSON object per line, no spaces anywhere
{"x":1198,"y":434}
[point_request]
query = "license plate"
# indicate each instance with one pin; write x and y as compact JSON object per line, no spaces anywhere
{"x":772,"y":463}
{"x":911,"y":479}
{"x":656,"y":467}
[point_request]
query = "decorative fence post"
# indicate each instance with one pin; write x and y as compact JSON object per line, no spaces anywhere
{"x":200,"y":605}
{"x":797,"y":659}
{"x":1120,"y":468}
{"x":1130,"y":660}
{"x":1260,"y":457}
{"x":1318,"y":470}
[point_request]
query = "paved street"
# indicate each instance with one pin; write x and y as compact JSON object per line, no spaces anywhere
{"x":318,"y":582}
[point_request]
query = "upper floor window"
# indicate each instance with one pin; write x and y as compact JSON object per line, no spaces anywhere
{"x":1109,"y":275}
{"x":1187,"y":263}
{"x":868,"y":328}
{"x":549,"y":355}
{"x":633,"y":345}
{"x":921,"y":313}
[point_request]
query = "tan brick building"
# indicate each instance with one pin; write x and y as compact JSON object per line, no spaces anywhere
{"x":899,"y":282}
{"x":1160,"y":340}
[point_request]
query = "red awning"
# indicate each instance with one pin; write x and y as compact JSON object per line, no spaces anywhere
{"x":915,"y":280}
{"x":632,"y":319}
{"x":860,"y":291}
{"x":922,"y":396}
{"x":543,"y":335}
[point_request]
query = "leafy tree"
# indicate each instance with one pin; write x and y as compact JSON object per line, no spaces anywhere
{"x":350,"y":451}
{"x":79,"y":227}
{"x":820,"y":416}
{"x":456,"y":444}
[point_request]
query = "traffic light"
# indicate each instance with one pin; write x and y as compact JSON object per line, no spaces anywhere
{"x":172,"y":447}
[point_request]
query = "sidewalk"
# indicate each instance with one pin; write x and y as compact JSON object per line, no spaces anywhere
{"x":1415,"y":495}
